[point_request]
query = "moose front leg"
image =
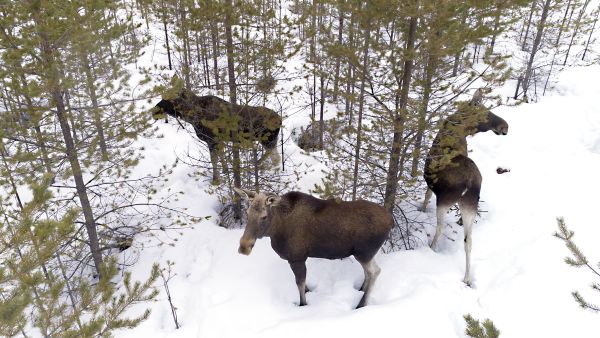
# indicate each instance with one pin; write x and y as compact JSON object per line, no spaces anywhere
{"x":214,"y":160}
{"x":299,"y":269}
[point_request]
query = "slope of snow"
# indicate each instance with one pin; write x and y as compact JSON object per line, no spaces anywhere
{"x":520,"y":279}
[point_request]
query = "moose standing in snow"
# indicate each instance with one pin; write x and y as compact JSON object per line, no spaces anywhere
{"x":451,"y":174}
{"x":302,"y":226}
{"x":204,"y":112}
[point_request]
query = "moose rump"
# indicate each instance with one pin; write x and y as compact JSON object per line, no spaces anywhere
{"x":302,"y":226}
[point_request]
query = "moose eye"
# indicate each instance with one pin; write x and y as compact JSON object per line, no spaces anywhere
{"x":262,"y":218}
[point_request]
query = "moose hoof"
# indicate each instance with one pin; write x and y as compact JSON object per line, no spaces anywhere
{"x":467,"y":282}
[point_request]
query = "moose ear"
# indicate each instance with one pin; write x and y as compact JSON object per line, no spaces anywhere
{"x":245,"y":194}
{"x":273,"y":200}
{"x":477,"y":98}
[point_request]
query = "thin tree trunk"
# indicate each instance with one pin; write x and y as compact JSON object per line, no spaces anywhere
{"x":215,"y":54}
{"x":186,"y":49}
{"x":79,"y":183}
{"x":338,"y":59}
{"x":591,"y":33}
{"x":204,"y":58}
{"x":576,"y":31}
{"x":237,"y":180}
{"x":556,"y":46}
{"x":528,"y":24}
{"x":534,"y":47}
{"x":496,"y":26}
{"x":459,"y":53}
{"x":69,"y":290}
{"x":55,"y":91}
{"x":391,"y":185}
{"x":361,"y":102}
{"x":350,"y":74}
{"x":164,"y":20}
{"x":429,"y":70}
{"x":321,"y":112}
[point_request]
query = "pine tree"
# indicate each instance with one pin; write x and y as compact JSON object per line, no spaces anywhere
{"x":476,"y":329}
{"x":33,"y":278}
{"x":578,"y":259}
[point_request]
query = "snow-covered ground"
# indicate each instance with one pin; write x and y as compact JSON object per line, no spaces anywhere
{"x":520,"y":280}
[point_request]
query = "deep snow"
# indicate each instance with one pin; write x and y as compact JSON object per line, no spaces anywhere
{"x":520,"y":279}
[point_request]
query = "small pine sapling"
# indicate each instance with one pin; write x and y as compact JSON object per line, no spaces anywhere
{"x":577,"y":260}
{"x":475,"y":329}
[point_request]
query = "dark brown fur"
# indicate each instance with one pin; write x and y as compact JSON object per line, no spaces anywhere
{"x":451,"y":174}
{"x":302,"y":226}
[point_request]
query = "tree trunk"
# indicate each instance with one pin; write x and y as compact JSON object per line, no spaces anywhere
{"x":576,"y":31}
{"x":215,"y":53}
{"x":86,"y":207}
{"x":164,"y":20}
{"x":528,"y":24}
{"x":361,"y":102}
{"x":350,"y":75}
{"x":237,"y":180}
{"x":55,"y":91}
{"x":534,"y":47}
{"x":186,"y":48}
{"x":556,"y":46}
{"x":459,"y":53}
{"x":591,"y":33}
{"x":496,"y":26}
{"x":336,"y":79}
{"x":391,"y":185}
{"x":429,"y":70}
{"x":321,"y":112}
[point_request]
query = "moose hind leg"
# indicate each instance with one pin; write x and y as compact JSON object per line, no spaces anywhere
{"x":428,"y":194}
{"x":468,"y":211}
{"x":299,"y":269}
{"x":440,"y":214}
{"x":372,"y":271}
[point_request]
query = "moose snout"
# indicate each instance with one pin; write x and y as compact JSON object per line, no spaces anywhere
{"x":246,"y":247}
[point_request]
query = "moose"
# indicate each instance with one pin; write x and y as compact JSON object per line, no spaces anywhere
{"x":302,"y":226}
{"x":204,"y":114}
{"x":451,"y":175}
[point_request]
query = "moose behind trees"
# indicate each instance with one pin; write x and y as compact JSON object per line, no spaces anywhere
{"x":451,"y":174}
{"x":302,"y":226}
{"x":211,"y":117}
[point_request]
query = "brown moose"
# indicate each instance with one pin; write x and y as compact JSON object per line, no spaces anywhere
{"x":302,"y":226}
{"x":203,"y":112}
{"x":452,"y":175}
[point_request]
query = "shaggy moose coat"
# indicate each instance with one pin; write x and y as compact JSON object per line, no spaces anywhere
{"x":302,"y":226}
{"x":207,"y":114}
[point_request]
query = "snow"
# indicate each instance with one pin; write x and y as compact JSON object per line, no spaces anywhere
{"x":520,"y":280}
